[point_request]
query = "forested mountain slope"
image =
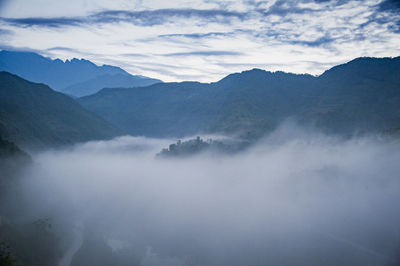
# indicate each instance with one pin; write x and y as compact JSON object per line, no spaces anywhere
{"x":34,"y":116}
{"x":357,"y":97}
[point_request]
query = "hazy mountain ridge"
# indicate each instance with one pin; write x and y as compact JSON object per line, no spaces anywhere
{"x":34,"y":116}
{"x":106,"y":81}
{"x":357,"y":97}
{"x":360,"y":96}
{"x":77,"y":77}
{"x":156,"y":110}
{"x":124,"y":175}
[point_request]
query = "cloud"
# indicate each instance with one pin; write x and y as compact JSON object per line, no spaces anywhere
{"x":210,"y":39}
{"x":5,"y":32}
{"x":196,"y":35}
{"x":43,"y":22}
{"x":160,"y":16}
{"x":3,"y":3}
{"x":386,"y":13}
{"x":297,"y":197}
{"x":60,"y":48}
{"x":134,"y":55}
{"x":390,"y":5}
{"x":283,"y":8}
{"x":315,"y":43}
{"x":21,"y":49}
{"x":142,"y":18}
{"x":206,"y":53}
{"x":335,"y":2}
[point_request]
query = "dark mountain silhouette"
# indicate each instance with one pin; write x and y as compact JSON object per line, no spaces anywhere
{"x":34,"y":116}
{"x":75,"y":77}
{"x":362,"y":95}
{"x":357,"y":97}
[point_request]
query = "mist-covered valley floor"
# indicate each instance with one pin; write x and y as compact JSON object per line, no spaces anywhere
{"x":296,"y":197}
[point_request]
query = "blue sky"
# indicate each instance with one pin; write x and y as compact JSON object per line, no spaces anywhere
{"x":204,"y":39}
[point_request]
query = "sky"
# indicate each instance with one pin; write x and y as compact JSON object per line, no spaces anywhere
{"x":204,"y":40}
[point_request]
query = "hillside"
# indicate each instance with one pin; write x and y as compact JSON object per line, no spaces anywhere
{"x":244,"y":102}
{"x":34,"y":116}
{"x":108,"y":81}
{"x":360,"y":96}
{"x":10,"y":150}
{"x":77,"y":77}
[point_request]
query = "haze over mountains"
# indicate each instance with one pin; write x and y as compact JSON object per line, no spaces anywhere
{"x":271,"y":192}
{"x":277,"y":143}
{"x":75,"y":77}
{"x":359,"y":97}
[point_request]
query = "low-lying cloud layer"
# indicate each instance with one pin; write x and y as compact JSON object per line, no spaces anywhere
{"x":295,"y":198}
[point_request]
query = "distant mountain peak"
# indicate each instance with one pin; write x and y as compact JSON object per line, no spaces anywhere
{"x":62,"y":75}
{"x":261,"y":74}
{"x":370,"y":66}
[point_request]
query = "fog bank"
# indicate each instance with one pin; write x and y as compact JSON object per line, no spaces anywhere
{"x":295,"y":198}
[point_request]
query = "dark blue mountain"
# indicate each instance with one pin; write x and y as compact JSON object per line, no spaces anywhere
{"x":119,"y":80}
{"x":75,"y":77}
{"x":34,"y":116}
{"x":357,"y":97}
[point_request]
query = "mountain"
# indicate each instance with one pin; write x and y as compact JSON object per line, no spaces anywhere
{"x":12,"y":159}
{"x":77,"y":77}
{"x":362,"y":95}
{"x":108,"y":81}
{"x":239,"y":102}
{"x":158,"y":110}
{"x":10,"y":150}
{"x":34,"y":116}
{"x":357,"y":97}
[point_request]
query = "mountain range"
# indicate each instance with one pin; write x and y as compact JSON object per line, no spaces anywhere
{"x":359,"y":97}
{"x":77,"y":77}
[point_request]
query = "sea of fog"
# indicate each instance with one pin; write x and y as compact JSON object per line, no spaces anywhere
{"x":296,"y":197}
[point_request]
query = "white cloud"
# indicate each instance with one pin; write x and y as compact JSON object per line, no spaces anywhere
{"x":50,"y":8}
{"x":294,"y":41}
{"x":297,"y":198}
